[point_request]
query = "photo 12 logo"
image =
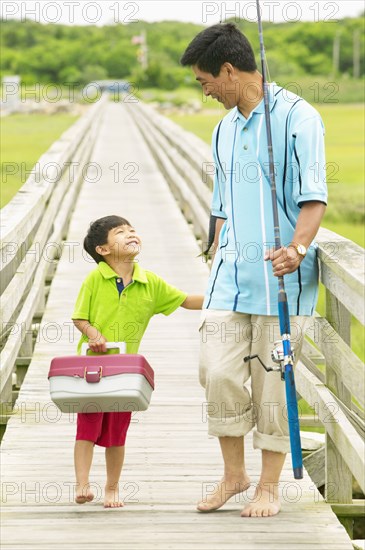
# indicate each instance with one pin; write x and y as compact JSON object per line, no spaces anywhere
{"x":273,"y":11}
{"x":87,"y":13}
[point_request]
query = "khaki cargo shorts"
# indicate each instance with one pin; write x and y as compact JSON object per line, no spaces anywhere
{"x":241,"y":396}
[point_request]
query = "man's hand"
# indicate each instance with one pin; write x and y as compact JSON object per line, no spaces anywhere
{"x":284,"y":260}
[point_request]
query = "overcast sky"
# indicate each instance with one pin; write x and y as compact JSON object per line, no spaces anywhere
{"x":85,"y":12}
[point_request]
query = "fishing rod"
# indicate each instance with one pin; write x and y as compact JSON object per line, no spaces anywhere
{"x":283,"y":352}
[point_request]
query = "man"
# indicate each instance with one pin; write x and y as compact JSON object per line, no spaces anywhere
{"x":240,"y":307}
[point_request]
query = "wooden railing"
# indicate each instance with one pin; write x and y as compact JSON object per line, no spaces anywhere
{"x":329,"y":376}
{"x":33,"y":226}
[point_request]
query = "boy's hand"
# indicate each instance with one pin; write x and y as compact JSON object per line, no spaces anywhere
{"x":97,"y":344}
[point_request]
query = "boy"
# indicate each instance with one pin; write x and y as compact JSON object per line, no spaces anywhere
{"x":115,"y":303}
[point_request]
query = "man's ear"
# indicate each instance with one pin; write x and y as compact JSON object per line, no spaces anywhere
{"x":102,"y":250}
{"x":229,"y":69}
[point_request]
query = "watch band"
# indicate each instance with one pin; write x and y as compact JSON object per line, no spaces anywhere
{"x":300,"y":248}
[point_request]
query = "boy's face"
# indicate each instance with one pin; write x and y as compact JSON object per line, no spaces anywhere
{"x":123,"y":242}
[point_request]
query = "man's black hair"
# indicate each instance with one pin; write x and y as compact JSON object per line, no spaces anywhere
{"x":97,"y":234}
{"x":219,"y":44}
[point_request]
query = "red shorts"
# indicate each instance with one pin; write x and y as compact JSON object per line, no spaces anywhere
{"x":107,"y":429}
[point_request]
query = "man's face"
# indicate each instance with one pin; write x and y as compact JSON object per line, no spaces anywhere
{"x":224,"y":87}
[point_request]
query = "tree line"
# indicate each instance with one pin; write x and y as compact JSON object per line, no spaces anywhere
{"x":79,"y":54}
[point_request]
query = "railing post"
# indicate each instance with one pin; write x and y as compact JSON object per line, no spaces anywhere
{"x":338,"y":475}
{"x":340,"y":318}
{"x":338,"y":481}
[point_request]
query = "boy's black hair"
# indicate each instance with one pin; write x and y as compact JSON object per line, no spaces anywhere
{"x":97,"y":234}
{"x":219,"y":44}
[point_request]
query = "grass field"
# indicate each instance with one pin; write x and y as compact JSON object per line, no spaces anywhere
{"x":24,"y":138}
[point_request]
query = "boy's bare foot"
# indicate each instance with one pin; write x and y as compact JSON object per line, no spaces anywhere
{"x":111,"y":499}
{"x":83,"y":494}
{"x":224,"y":491}
{"x":266,"y":503}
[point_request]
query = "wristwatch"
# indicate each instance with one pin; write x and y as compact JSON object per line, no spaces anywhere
{"x":300,"y":248}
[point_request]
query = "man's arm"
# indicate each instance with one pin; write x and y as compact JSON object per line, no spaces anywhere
{"x":196,"y":302}
{"x":286,"y":259}
{"x":309,"y":221}
{"x":218,"y":226}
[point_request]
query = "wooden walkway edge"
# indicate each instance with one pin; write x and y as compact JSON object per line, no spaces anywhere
{"x":170,"y":460}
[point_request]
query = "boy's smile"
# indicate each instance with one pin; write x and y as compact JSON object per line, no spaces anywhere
{"x":122,"y":242}
{"x":124,"y":239}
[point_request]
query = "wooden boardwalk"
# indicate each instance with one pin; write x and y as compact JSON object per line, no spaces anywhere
{"x":170,"y":461}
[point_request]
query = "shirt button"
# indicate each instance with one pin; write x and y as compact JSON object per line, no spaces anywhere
{"x":119,"y":280}
{"x":245,"y":147}
{"x":245,"y":129}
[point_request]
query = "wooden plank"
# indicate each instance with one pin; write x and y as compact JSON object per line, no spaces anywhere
{"x":342,"y":270}
{"x":344,"y":369}
{"x":315,"y":466}
{"x":193,"y":149}
{"x":355,"y":509}
{"x":309,"y":352}
{"x":338,"y":486}
{"x":195,"y":211}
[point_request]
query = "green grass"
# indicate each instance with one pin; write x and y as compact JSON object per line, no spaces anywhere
{"x":201,"y":124}
{"x":24,"y":138}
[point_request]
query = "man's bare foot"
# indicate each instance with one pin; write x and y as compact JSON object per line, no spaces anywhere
{"x":224,"y":491}
{"x":83,"y":494}
{"x":111,"y":499}
{"x":265,"y":503}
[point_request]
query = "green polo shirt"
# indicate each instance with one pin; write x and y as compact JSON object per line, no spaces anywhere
{"x":124,"y":317}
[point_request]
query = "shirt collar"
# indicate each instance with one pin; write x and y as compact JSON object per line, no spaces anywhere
{"x":107,"y":272}
{"x":260,"y":108}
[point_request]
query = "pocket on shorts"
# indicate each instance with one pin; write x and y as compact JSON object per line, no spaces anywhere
{"x":203,"y":316}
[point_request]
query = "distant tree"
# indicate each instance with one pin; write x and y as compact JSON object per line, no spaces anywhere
{"x":71,"y":75}
{"x":58,"y":53}
{"x":93,"y":72}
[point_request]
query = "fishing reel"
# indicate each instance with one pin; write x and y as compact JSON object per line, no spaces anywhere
{"x":277,"y":355}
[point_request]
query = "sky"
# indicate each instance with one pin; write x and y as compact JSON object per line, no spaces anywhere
{"x":85,"y":12}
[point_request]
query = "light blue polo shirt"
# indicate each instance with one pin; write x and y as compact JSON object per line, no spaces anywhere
{"x":240,"y":279}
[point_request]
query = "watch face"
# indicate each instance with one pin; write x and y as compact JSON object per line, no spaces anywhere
{"x":301,"y":249}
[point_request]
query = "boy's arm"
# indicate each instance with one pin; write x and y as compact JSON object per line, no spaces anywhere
{"x":193,"y":302}
{"x":96,"y":339}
